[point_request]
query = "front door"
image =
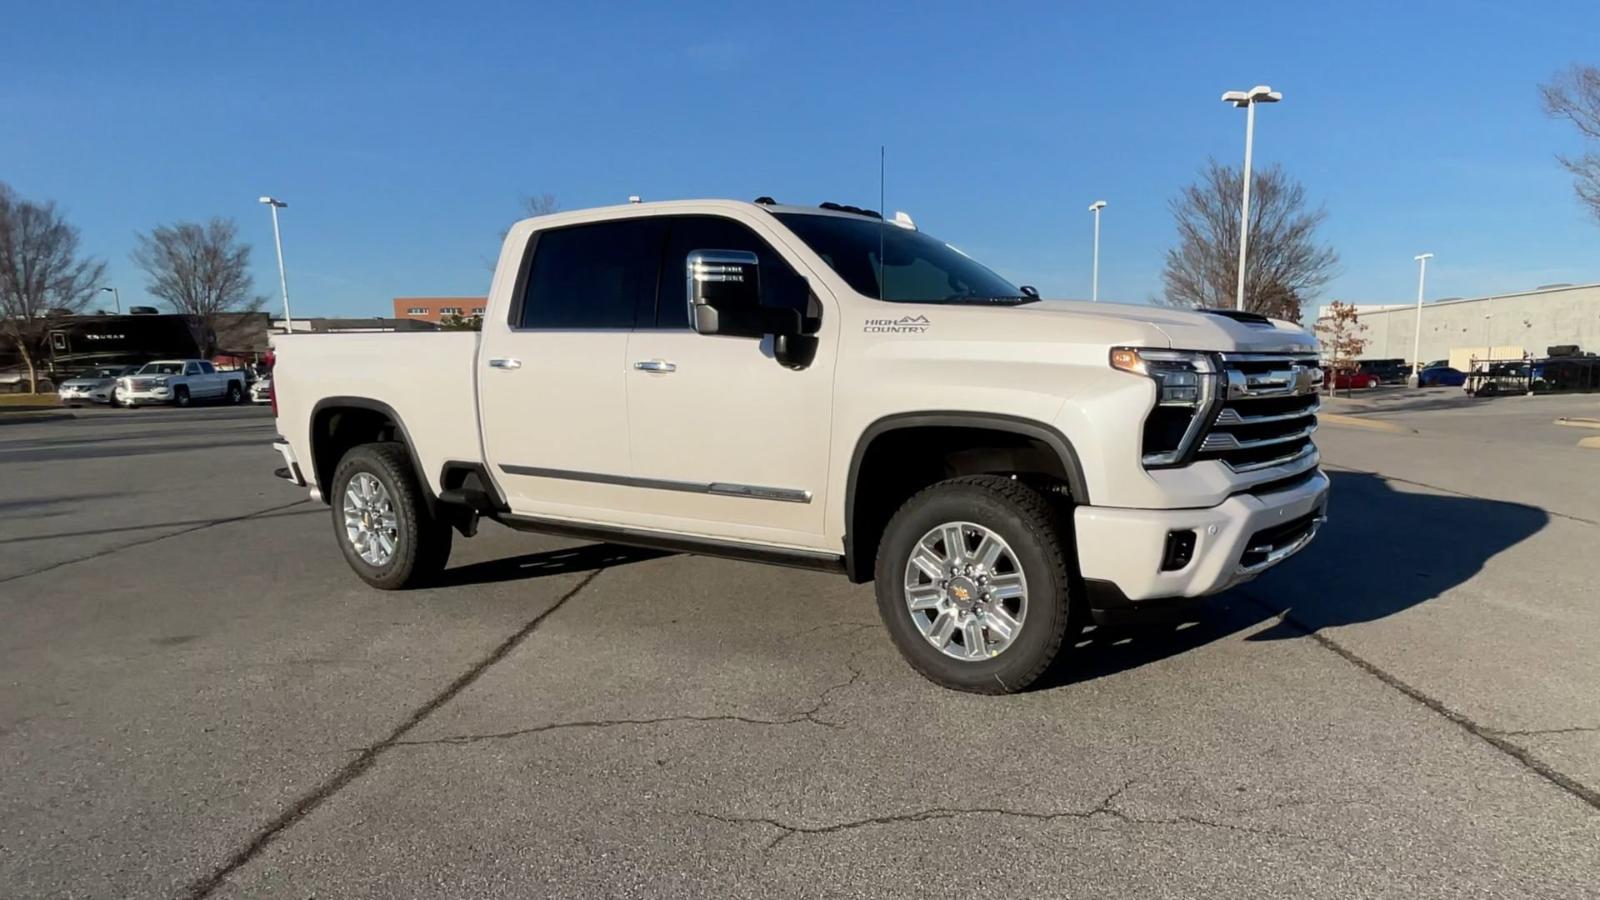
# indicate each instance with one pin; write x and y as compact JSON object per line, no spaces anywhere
{"x":739,"y":442}
{"x":551,"y":373}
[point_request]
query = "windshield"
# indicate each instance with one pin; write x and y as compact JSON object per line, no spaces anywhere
{"x":161,"y":368}
{"x":915,"y":268}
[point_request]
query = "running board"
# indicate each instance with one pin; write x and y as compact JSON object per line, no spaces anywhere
{"x":678,"y":543}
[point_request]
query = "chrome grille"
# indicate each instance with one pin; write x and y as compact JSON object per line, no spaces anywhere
{"x":1268,"y":413}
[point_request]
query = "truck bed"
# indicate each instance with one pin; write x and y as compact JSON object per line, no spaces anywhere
{"x":425,"y":378}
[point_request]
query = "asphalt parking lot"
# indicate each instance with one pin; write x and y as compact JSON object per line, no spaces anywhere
{"x":197,"y":698}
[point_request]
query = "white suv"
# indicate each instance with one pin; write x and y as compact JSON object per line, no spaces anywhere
{"x":819,"y":387}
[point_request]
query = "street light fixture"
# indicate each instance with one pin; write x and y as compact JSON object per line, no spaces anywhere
{"x":283,"y":279}
{"x":1094,"y":291}
{"x":1247,"y":101}
{"x":117,"y":295}
{"x":1416,"y":347}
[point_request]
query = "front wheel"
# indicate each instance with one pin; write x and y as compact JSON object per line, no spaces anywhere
{"x":180,"y":396}
{"x":973,"y":584}
{"x":381,"y":522}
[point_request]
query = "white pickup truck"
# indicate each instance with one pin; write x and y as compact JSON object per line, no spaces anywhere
{"x":821,"y":387}
{"x":179,"y":382}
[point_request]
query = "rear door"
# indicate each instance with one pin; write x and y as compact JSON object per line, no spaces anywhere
{"x":551,"y":372}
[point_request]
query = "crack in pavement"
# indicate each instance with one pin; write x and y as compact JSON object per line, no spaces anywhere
{"x":1493,"y":738}
{"x":807,"y":716}
{"x":354,"y":769}
{"x":1536,"y":732}
{"x":1105,"y":808}
{"x":201,"y":526}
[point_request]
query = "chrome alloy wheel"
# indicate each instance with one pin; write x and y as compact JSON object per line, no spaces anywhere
{"x":966,"y":591}
{"x":370,"y":523}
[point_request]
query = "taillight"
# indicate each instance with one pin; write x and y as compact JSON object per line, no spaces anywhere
{"x":272,"y":394}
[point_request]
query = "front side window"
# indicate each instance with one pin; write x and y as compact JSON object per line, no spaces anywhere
{"x":207,"y":369}
{"x":687,"y":234}
{"x":592,"y":276}
{"x":886,"y":262}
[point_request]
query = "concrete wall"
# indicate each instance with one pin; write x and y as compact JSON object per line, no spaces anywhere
{"x":1525,"y":322}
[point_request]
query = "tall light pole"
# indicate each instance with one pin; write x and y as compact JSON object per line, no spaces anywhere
{"x":1416,"y":346}
{"x":1247,"y":101}
{"x":283,"y":279}
{"x":117,"y":295}
{"x":1094,"y":291}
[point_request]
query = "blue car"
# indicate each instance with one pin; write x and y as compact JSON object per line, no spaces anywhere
{"x":1441,"y":376}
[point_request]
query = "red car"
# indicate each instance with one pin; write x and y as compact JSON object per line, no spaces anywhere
{"x":1349,"y":379}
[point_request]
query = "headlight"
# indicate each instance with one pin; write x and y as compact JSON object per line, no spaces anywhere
{"x":1186,"y":384}
{"x":159,"y":382}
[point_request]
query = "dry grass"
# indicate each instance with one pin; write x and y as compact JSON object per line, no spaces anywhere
{"x":29,"y":401}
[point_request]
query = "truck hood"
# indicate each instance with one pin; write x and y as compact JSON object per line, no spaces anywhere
{"x":1187,"y":329}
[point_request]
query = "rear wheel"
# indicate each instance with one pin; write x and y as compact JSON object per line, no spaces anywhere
{"x":235,"y":393}
{"x":382,"y":522}
{"x":973,"y":584}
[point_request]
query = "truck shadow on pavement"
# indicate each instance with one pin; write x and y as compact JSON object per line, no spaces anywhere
{"x":544,"y":564}
{"x":1383,"y":551}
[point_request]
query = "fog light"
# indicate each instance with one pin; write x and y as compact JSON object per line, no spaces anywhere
{"x":1179,"y":550}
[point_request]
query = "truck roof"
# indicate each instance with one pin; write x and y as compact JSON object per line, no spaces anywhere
{"x":664,"y":207}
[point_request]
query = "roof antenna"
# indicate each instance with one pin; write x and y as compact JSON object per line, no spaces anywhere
{"x":883,"y":293}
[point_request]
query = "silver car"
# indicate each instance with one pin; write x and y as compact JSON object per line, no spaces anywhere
{"x":93,"y":386}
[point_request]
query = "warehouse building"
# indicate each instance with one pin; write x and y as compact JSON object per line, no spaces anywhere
{"x":1503,"y":326}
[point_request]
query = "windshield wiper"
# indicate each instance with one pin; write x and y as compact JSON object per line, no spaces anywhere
{"x":991,"y":301}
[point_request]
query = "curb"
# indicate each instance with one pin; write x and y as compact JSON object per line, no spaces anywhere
{"x":1328,"y":418}
{"x":1578,"y":422}
{"x":1591,"y":443}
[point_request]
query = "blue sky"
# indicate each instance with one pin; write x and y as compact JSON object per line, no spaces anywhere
{"x":403,"y":134}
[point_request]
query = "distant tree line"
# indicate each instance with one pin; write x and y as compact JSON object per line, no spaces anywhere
{"x":197,"y":269}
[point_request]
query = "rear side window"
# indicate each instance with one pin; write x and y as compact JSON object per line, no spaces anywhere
{"x":592,"y":276}
{"x":687,"y":234}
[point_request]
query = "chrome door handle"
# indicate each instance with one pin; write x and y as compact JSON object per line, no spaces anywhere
{"x":655,"y":365}
{"x":505,"y":362}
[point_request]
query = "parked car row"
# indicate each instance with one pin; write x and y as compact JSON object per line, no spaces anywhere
{"x":174,"y":382}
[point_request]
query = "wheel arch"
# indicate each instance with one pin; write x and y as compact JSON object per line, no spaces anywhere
{"x":863,"y":524}
{"x":339,"y":423}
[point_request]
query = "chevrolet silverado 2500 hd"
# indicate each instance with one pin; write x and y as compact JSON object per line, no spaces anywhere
{"x":820,"y":387}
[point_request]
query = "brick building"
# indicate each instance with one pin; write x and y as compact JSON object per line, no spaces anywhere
{"x":435,"y":309}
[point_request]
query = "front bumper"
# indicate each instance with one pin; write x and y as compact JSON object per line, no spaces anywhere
{"x":134,"y":396}
{"x":83,"y":395}
{"x":1234,"y":541}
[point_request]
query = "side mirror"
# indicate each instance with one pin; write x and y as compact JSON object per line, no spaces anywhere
{"x":725,"y":296}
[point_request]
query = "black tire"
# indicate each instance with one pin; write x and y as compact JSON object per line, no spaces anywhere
{"x":422,"y":543}
{"x":180,"y":396}
{"x":1035,"y":531}
{"x":235,"y":393}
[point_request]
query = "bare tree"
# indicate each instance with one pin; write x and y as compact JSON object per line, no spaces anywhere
{"x":202,"y":270}
{"x":1341,"y":333}
{"x":532,"y":205}
{"x":540,"y":204}
{"x":1286,"y":264}
{"x":1574,"y":95}
{"x":41,"y":274}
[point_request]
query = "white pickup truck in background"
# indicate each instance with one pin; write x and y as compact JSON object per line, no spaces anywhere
{"x":178,"y":382}
{"x":819,"y":387}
